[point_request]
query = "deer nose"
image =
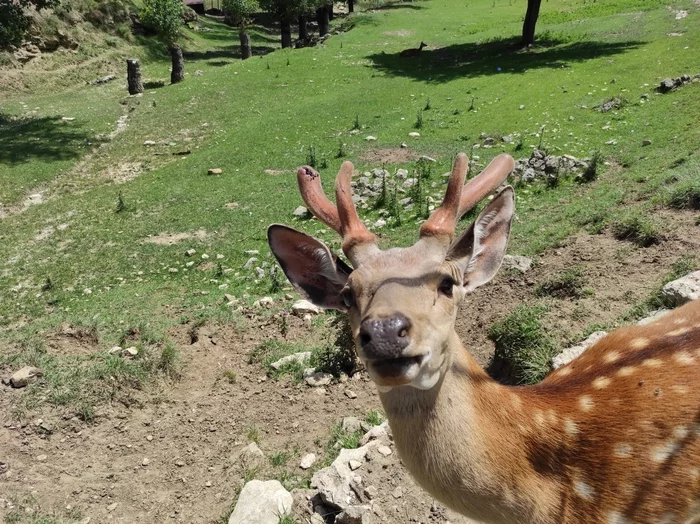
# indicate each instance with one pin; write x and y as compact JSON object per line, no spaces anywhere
{"x":383,"y":338}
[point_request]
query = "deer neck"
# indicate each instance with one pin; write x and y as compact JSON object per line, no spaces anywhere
{"x":463,"y":441}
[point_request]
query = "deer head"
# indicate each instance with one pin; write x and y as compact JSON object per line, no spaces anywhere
{"x":402,"y":302}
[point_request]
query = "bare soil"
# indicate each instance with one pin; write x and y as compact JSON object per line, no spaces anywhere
{"x":173,"y":456}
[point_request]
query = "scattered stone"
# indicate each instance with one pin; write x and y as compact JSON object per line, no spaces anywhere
{"x":380,"y":223}
{"x":214,"y":171}
{"x":671,"y":84}
{"x":350,"y":394}
{"x":318,"y":378}
{"x":646,"y":142}
{"x":371,"y":492}
{"x":384,"y":450}
{"x":190,"y":252}
{"x":571,"y":353}
{"x":304,"y":307}
{"x":370,"y":138}
{"x":425,"y":158}
{"x":251,"y":261}
{"x":613,"y":103}
{"x":264,"y":302}
{"x":507,"y":139}
{"x":250,"y":454}
{"x":355,"y":515}
{"x":307,"y":461}
{"x":653,"y":317}
{"x":522,"y":106}
{"x":261,"y":503}
{"x":68,"y":118}
{"x":355,"y":464}
{"x":301,"y":212}
{"x":682,"y":290}
{"x":517,"y":262}
{"x":252,"y":252}
{"x":414,"y":134}
{"x":377,"y":432}
{"x":350,"y":424}
{"x":130,"y":352}
{"x":145,"y":462}
{"x":404,"y":145}
{"x":149,"y":143}
{"x":103,"y":80}
{"x":41,"y":458}
{"x":489,"y":141}
{"x":114,"y":350}
{"x":335,"y":483}
{"x":112,"y":506}
{"x":301,"y":358}
{"x":397,"y":493}
{"x":23,"y":376}
{"x":612,"y":142}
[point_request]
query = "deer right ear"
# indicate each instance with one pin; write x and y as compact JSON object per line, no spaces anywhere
{"x":309,"y":265}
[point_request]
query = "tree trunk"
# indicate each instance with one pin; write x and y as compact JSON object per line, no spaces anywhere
{"x":303,"y":29}
{"x":533,"y":11}
{"x":246,"y":51}
{"x":322,"y":18}
{"x":133,"y":75}
{"x":330,"y":11}
{"x":286,"y":28}
{"x":178,"y":72}
{"x":351,"y":6}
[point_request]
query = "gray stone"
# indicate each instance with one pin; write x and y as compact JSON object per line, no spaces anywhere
{"x":646,"y":142}
{"x":214,"y":171}
{"x":265,"y":302}
{"x":678,"y":292}
{"x":666,"y":85}
{"x":426,"y":158}
{"x":301,"y":358}
{"x":251,"y":261}
{"x":507,"y":139}
{"x":377,"y":432}
{"x":304,"y":307}
{"x":261,"y":503}
{"x":489,"y":141}
{"x":23,"y":376}
{"x":335,"y":483}
{"x":250,"y":455}
{"x":350,"y":424}
{"x":571,"y":353}
{"x":517,"y":262}
{"x":401,"y":173}
{"x":318,"y":378}
{"x":380,"y":223}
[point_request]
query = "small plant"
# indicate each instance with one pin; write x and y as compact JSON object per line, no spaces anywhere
{"x":569,"y":284}
{"x":591,"y":172}
{"x":471,"y":106}
{"x":121,"y":204}
{"x":338,"y":354}
{"x":427,"y":105}
{"x":47,"y":285}
{"x":323,"y":164}
{"x":685,"y":195}
{"x":456,"y":112}
{"x":275,"y":280}
{"x":230,"y":375}
{"x":268,"y":64}
{"x":523,"y":345}
{"x":636,"y":228}
{"x":341,"y":150}
{"x":541,"y":133}
{"x":356,"y":124}
{"x":168,"y":362}
{"x":374,"y":418}
{"x":288,"y":62}
{"x":383,"y":197}
{"x":284,"y":324}
{"x":419,"y":119}
{"x":519,"y":144}
{"x":253,"y":434}
{"x":280,"y":459}
{"x":311,"y":156}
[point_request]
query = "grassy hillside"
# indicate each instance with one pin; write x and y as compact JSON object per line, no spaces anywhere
{"x":86,"y":256}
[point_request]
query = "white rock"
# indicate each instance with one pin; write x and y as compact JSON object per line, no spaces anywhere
{"x":653,"y":317}
{"x":130,"y":351}
{"x":307,"y":461}
{"x":261,"y":503}
{"x":370,"y":138}
{"x":250,"y":455}
{"x":571,"y":353}
{"x":300,"y":211}
{"x":23,"y":376}
{"x":380,"y":223}
{"x":350,"y":394}
{"x":304,"y":307}
{"x":414,"y":134}
{"x":354,"y":464}
{"x":334,"y":482}
{"x":678,"y":292}
{"x":384,"y":450}
{"x":265,"y":302}
{"x":375,"y":433}
{"x":301,"y":358}
{"x":517,"y":262}
{"x":355,"y":515}
{"x":350,"y":424}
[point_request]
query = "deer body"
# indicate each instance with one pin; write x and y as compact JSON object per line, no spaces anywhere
{"x":611,"y":438}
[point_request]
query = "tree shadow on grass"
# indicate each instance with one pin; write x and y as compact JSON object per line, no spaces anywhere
{"x":23,"y":139}
{"x":401,"y":5}
{"x":480,"y":59}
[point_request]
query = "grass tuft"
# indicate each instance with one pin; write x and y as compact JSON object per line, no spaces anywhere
{"x":636,"y":228}
{"x":570,"y":284}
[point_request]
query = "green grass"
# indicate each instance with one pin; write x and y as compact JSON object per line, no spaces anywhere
{"x":267,"y":113}
{"x":638,"y":228}
{"x":28,"y":511}
{"x":569,"y":284}
{"x":523,"y":345}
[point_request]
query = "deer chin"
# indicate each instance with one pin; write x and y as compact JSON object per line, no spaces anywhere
{"x":414,"y":371}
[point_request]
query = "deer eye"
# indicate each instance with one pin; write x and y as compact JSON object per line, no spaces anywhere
{"x":446,"y":286}
{"x":348,"y":297}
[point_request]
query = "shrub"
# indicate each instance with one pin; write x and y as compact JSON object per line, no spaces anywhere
{"x":523,"y":345}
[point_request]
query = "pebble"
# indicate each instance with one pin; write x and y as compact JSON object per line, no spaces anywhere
{"x":149,"y":438}
{"x":384,"y":450}
{"x":41,"y":458}
{"x":145,"y":462}
{"x":307,"y":461}
{"x":190,"y":252}
{"x":355,"y":464}
{"x":397,"y":493}
{"x":112,"y":506}
{"x":414,"y":134}
{"x":214,"y":171}
{"x":350,"y":394}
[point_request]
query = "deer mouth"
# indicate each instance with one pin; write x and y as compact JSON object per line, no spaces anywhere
{"x":396,"y":371}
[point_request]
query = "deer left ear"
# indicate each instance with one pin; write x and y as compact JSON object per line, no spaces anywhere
{"x":479,"y":251}
{"x":309,"y":265}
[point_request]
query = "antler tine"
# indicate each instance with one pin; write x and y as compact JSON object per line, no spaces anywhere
{"x":485,"y":182}
{"x":353,"y":230}
{"x":316,"y":200}
{"x":444,"y":219}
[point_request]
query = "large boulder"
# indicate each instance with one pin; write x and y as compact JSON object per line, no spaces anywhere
{"x":261,"y":503}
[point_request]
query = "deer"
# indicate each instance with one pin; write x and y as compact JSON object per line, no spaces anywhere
{"x":414,"y":51}
{"x":610,"y":438}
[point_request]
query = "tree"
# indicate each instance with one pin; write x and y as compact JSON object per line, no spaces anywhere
{"x":286,"y":11}
{"x":14,"y":21}
{"x":165,"y":17}
{"x":239,"y":13}
{"x":533,"y":11}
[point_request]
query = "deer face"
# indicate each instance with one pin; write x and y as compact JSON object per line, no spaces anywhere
{"x":402,"y":302}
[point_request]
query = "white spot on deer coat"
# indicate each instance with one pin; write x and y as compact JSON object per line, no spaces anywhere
{"x":639,"y":343}
{"x":626,"y":371}
{"x":623,"y":450}
{"x":684,"y":358}
{"x":680,"y":331}
{"x":601,"y":382}
{"x":585,"y":402}
{"x":583,"y":490}
{"x":615,"y":517}
{"x":662,"y":452}
{"x":652,"y":363}
{"x":570,"y":427}
{"x":612,"y":357}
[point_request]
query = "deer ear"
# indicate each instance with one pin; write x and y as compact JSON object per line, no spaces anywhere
{"x":481,"y":248}
{"x":309,"y":265}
